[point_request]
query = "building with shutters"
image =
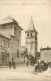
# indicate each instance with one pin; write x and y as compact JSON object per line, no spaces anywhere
{"x":10,"y":40}
{"x":31,"y":39}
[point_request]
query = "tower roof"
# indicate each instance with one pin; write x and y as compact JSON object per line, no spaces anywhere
{"x":31,"y":25}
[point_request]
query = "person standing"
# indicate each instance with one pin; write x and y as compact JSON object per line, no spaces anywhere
{"x":10,"y":64}
{"x":12,"y":61}
{"x":27,"y":63}
{"x":14,"y":65}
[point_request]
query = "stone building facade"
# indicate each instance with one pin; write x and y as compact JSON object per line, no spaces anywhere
{"x":45,"y":54}
{"x":10,"y":36}
{"x":31,"y":39}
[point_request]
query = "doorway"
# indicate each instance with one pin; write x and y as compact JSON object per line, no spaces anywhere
{"x":2,"y":57}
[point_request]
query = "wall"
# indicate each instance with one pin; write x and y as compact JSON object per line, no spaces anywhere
{"x":7,"y":29}
{"x":14,"y":46}
{"x":17,"y":35}
{"x":45,"y":55}
{"x":30,"y":44}
{"x":3,"y":49}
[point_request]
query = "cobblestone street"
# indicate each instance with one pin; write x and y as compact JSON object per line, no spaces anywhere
{"x":22,"y":73}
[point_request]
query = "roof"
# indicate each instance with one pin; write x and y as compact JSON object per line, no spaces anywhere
{"x":9,"y":20}
{"x":31,"y":27}
{"x":7,"y":36}
{"x":48,"y":48}
{"x":31,"y":31}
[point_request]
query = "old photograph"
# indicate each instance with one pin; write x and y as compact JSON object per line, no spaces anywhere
{"x":25,"y":40}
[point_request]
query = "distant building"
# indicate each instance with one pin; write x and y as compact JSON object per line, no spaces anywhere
{"x":31,"y":39}
{"x":45,"y":54}
{"x":10,"y":40}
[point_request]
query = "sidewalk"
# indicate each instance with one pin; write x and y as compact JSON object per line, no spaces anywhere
{"x":4,"y":66}
{"x":19,"y":69}
{"x":7,"y":66}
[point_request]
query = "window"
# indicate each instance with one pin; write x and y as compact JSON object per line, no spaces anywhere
{"x":11,"y":45}
{"x":18,"y":42}
{"x":8,"y":55}
{"x":0,"y":42}
{"x":8,"y":44}
{"x":28,"y":34}
{"x":2,"y":57}
{"x":31,"y":34}
{"x":17,"y":32}
{"x":3,"y":43}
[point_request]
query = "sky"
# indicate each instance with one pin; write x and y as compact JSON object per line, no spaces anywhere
{"x":22,"y":10}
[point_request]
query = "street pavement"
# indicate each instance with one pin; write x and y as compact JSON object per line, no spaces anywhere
{"x":22,"y":73}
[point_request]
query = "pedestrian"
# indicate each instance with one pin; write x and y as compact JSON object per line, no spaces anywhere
{"x":10,"y":64}
{"x":14,"y":65}
{"x":12,"y":61}
{"x":27,"y":63}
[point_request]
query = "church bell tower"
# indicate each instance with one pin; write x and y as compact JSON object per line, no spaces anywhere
{"x":31,"y":39}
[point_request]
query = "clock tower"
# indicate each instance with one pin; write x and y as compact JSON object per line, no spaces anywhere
{"x":31,"y":39}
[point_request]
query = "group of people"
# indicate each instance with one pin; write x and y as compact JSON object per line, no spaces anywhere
{"x":41,"y":66}
{"x":12,"y":64}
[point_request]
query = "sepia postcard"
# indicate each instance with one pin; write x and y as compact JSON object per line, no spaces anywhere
{"x":25,"y":40}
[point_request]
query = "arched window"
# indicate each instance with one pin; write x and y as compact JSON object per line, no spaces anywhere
{"x":31,"y":34}
{"x":8,"y":44}
{"x":28,"y":34}
{"x":17,"y":32}
{"x":7,"y":54}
